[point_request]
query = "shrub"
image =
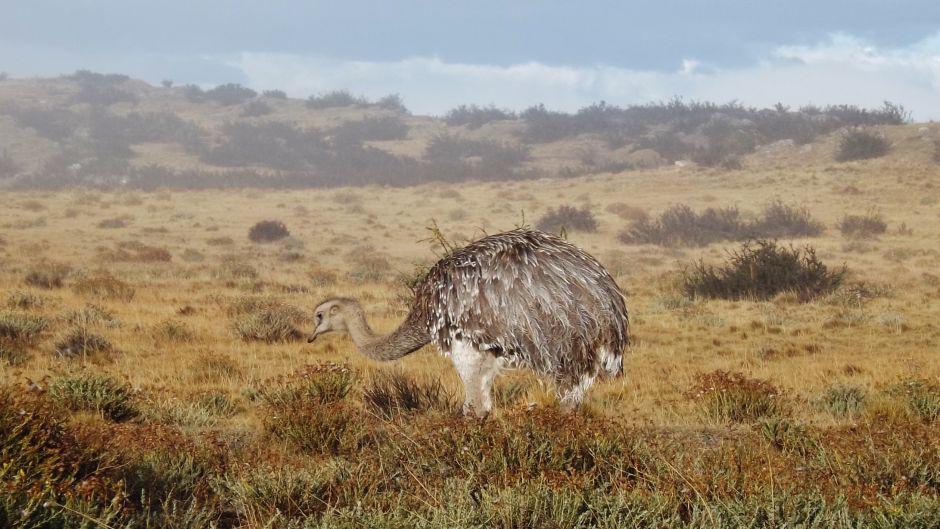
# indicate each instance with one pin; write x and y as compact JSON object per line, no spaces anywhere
{"x":842,"y":401}
{"x":229,"y":94}
{"x":81,"y":343}
{"x":337,"y":98}
{"x":922,"y":398}
{"x":48,"y":275}
{"x":370,"y":129}
{"x":781,"y":220}
{"x":12,"y":354}
{"x":174,"y":331}
{"x":266,"y":320}
{"x":255,"y":109}
{"x":393,"y":393}
{"x":21,"y":328}
{"x":679,"y":225}
{"x":761,"y":269}
{"x":275,"y":94}
{"x":567,"y":218}
{"x":627,"y":212}
{"x":861,"y":144}
{"x":319,"y":383}
{"x":104,"y":286}
{"x":367,"y":264}
{"x":727,"y":396}
{"x":474,"y":117}
{"x":25,"y":300}
{"x":89,"y":315}
{"x":862,"y":226}
{"x":392,"y":102}
{"x":117,"y":222}
{"x":94,"y":392}
{"x":268,"y":231}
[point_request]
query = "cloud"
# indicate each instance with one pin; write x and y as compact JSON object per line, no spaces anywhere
{"x":841,"y":69}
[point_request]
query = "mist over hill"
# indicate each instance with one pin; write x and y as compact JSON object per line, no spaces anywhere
{"x":108,"y":130}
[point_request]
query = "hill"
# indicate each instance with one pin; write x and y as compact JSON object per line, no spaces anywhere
{"x":105,"y":130}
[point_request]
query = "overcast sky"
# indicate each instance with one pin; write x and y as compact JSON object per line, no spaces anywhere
{"x":438,"y":54}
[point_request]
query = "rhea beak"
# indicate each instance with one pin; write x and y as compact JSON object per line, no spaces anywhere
{"x":312,"y":337}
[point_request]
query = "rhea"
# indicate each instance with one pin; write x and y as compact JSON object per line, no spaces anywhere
{"x":518,"y":299}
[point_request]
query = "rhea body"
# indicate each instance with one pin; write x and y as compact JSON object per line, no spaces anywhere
{"x":518,"y":299}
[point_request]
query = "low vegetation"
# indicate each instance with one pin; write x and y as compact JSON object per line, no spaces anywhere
{"x":567,"y":218}
{"x":268,"y":231}
{"x":761,"y":269}
{"x":862,"y":144}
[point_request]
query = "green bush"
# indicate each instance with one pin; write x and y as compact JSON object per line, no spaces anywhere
{"x":727,"y":396}
{"x":861,"y":144}
{"x":843,"y":401}
{"x":20,"y":327}
{"x":94,"y":392}
{"x":567,"y":218}
{"x":761,"y":269}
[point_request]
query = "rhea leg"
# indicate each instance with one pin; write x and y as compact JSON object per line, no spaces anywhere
{"x":476,"y":369}
{"x":571,"y":395}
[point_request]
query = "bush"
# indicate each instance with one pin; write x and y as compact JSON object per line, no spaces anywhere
{"x":256,"y":108}
{"x":474,"y":117}
{"x":843,"y":401}
{"x":727,"y":396}
{"x":392,"y":102}
{"x":337,"y":98}
{"x":679,"y":225}
{"x":229,"y":94}
{"x":21,"y":328}
{"x":25,"y":300}
{"x":104,"y":286}
{"x":567,"y":218}
{"x":860,"y":144}
{"x":48,"y":275}
{"x":81,"y":343}
{"x":266,"y":320}
{"x":174,"y":331}
{"x":761,"y":269}
{"x":268,"y":231}
{"x":394,"y":393}
{"x":93,"y":392}
{"x":275,"y":94}
{"x":922,"y":398}
{"x":862,"y":226}
{"x":370,"y":129}
{"x":781,"y":220}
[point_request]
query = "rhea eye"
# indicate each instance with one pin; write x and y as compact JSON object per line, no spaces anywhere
{"x":319,"y":317}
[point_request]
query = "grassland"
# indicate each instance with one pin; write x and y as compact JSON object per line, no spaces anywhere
{"x":153,"y":376}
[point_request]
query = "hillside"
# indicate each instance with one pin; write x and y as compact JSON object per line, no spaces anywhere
{"x":108,"y":130}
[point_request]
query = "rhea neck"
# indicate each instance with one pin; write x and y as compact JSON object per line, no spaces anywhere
{"x":407,"y":338}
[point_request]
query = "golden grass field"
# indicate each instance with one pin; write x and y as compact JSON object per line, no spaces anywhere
{"x":174,"y":339}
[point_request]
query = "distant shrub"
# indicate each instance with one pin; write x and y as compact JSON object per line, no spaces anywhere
{"x":167,"y":83}
{"x":761,"y":269}
{"x":862,"y":226}
{"x":94,"y":392}
{"x":861,"y":144}
{"x":136,"y":252}
{"x":567,"y":218}
{"x":220,"y":241}
{"x":256,"y":108}
{"x":89,"y":315}
{"x":392,"y":102}
{"x":679,"y":225}
{"x":474,"y":117}
{"x":194,"y":94}
{"x":21,"y":328}
{"x":782,"y":220}
{"x":95,"y":78}
{"x":25,"y":300}
{"x":229,"y":94}
{"x":922,"y":398}
{"x":728,"y":396}
{"x":842,"y":401}
{"x":627,"y":212}
{"x":275,"y":94}
{"x":81,"y":343}
{"x":48,"y":275}
{"x":337,"y":98}
{"x":112,"y":223}
{"x":103,"y":95}
{"x":367,"y":264}
{"x":174,"y":331}
{"x":267,"y":321}
{"x":104,"y":286}
{"x":370,"y":129}
{"x":268,"y":231}
{"x":393,"y":393}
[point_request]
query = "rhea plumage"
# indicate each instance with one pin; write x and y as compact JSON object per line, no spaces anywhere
{"x":518,"y":299}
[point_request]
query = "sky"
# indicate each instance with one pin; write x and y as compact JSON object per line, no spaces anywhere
{"x":508,"y":53}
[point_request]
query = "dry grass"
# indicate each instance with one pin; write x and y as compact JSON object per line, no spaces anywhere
{"x":856,"y":371}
